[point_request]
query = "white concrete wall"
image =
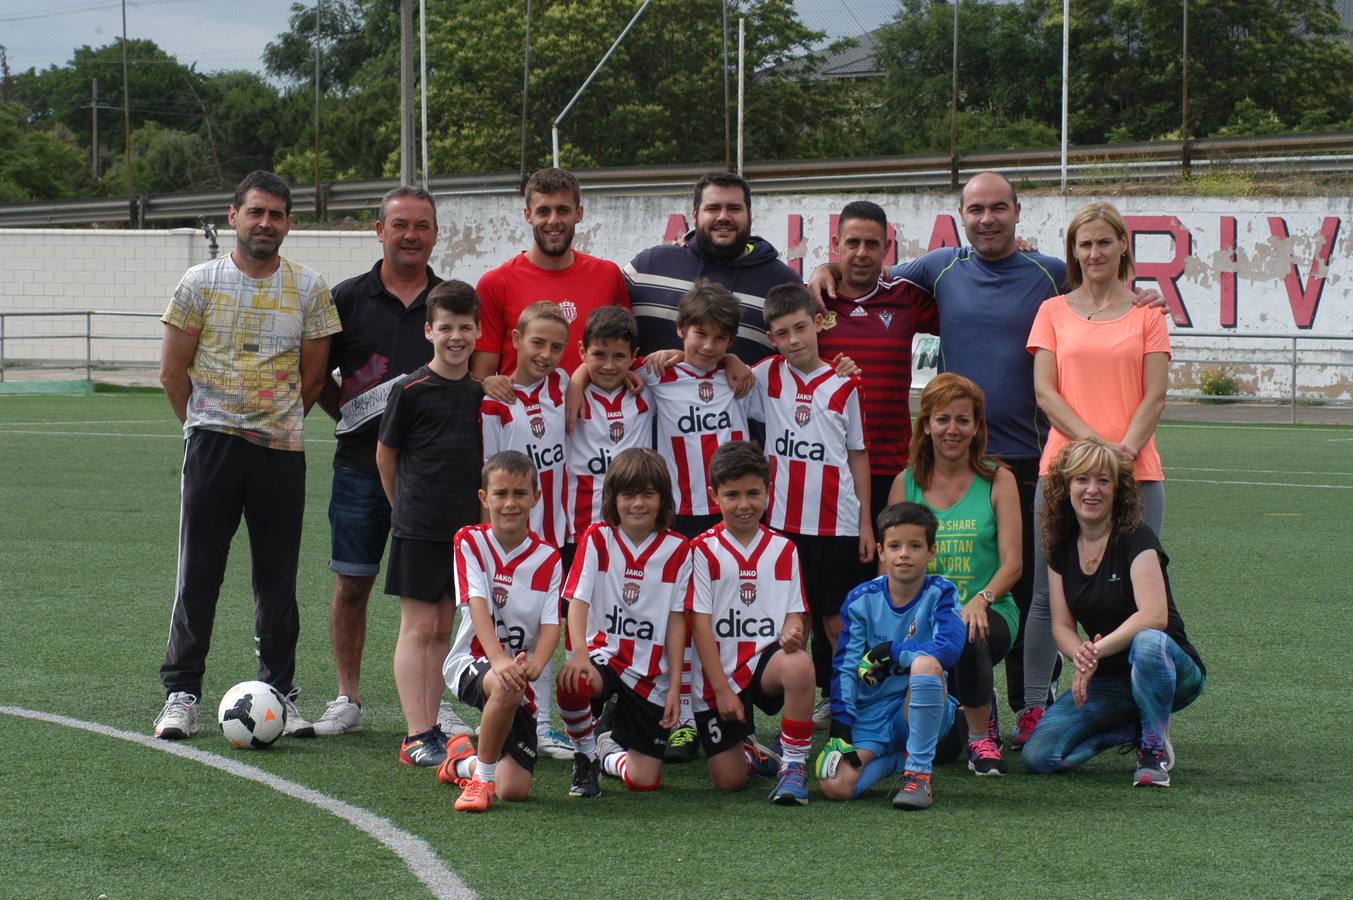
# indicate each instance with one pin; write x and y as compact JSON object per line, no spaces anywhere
{"x":1251,"y":266}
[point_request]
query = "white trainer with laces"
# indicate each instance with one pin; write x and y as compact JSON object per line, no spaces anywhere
{"x":178,"y":719}
{"x":341,"y":716}
{"x":450,"y":722}
{"x":822,"y":715}
{"x":297,"y":725}
{"x":554,"y":744}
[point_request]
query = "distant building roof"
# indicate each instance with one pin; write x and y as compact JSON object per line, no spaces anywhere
{"x":853,"y":61}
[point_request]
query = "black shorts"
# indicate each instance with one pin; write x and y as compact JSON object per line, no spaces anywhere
{"x":830,"y":567}
{"x":637,"y":722}
{"x":521,"y":737}
{"x":718,"y":735}
{"x":421,"y":570}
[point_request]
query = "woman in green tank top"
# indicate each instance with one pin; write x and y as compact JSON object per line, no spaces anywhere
{"x":978,"y":546}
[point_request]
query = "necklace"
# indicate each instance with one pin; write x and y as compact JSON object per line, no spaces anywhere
{"x":1086,"y":548}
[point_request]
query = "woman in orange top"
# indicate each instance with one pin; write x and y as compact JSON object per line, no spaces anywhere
{"x":1101,"y":368}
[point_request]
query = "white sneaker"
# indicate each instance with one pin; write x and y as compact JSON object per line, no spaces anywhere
{"x":822,"y":715}
{"x":296,"y":724}
{"x":178,"y":719}
{"x":340,"y":716}
{"x":450,"y":722}
{"x":606,"y":745}
{"x":554,"y":744}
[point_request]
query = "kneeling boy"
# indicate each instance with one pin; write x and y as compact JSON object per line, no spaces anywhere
{"x":509,"y":579}
{"x":747,"y":618}
{"x":627,"y":628}
{"x":899,"y":633}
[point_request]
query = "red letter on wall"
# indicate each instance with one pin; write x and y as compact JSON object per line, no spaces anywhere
{"x":1228,"y":279}
{"x":676,"y":227}
{"x":1166,"y":275}
{"x":1305,"y":299}
{"x":792,"y":259}
{"x":944,"y":234}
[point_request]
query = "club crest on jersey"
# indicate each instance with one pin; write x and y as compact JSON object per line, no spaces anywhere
{"x":499,"y":596}
{"x":887,"y":319}
{"x":630,"y":592}
{"x":706,"y":391}
{"x":538,"y":426}
{"x":802,"y":414}
{"x":617,"y":431}
{"x":829,"y":321}
{"x":747,"y":592}
{"x":911,"y":632}
{"x":569,"y":309}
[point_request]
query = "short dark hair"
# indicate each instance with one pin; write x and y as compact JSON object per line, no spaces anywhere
{"x":737,"y":459}
{"x":401,"y":192}
{"x":611,"y":323}
{"x":267,"y":182}
{"x":863,"y":209}
{"x":632,"y":471}
{"x":908,"y":514}
{"x":456,"y":297}
{"x":710,"y":302}
{"x":722,"y":179}
{"x":787,"y":299}
{"x":552,"y":181}
{"x":513,"y":462}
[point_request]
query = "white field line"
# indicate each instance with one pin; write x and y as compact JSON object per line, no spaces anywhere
{"x":88,"y":422}
{"x":1255,"y":471}
{"x":177,"y":435}
{"x":1282,"y":484}
{"x":426,"y":866}
{"x":1276,"y":426}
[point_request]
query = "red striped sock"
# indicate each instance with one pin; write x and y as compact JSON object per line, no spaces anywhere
{"x":575,"y":709}
{"x":795,"y":740}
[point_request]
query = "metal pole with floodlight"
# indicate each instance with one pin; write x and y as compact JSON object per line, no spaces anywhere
{"x":1066,"y":71}
{"x":742,"y":66}
{"x":554,"y":126}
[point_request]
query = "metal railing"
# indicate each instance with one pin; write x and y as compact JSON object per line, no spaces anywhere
{"x":1305,"y":154}
{"x":88,"y":337}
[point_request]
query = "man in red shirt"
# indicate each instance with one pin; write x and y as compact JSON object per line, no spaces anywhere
{"x":549,"y":270}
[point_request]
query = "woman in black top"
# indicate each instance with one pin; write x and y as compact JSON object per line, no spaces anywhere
{"x":1107,"y":574}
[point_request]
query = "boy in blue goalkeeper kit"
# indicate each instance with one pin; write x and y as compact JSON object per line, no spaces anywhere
{"x":899,"y":633}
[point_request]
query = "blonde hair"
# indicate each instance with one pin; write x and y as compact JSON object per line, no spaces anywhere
{"x":1103,"y":212}
{"x":541,"y":310}
{"x":1077,"y":458}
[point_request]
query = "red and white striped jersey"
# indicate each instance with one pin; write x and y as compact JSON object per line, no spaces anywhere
{"x":747,"y":593}
{"x":608,"y":423}
{"x":697,"y":411}
{"x":630,"y":591}
{"x":811,"y":421}
{"x":534,"y":425}
{"x":520,"y":586}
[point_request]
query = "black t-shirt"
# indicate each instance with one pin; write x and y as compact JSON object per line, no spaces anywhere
{"x":382,"y":340}
{"x":434,"y":424}
{"x":1101,"y":602}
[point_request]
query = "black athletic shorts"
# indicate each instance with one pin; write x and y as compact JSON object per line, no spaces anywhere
{"x":421,"y":570}
{"x":717,"y":735}
{"x":637,"y":722}
{"x":521,"y":737}
{"x":830,"y":567}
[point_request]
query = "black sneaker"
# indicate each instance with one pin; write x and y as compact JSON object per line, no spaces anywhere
{"x":422,"y":750}
{"x":1153,"y":768}
{"x":586,"y":776}
{"x":682,"y":747}
{"x":914,"y":792}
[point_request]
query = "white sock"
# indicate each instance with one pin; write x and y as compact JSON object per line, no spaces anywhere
{"x":543,"y":687}
{"x":616,"y":763}
{"x":465,"y":767}
{"x":485,"y":772}
{"x":686,"y":716}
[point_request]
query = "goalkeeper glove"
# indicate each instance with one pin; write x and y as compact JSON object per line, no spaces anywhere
{"x":876,"y":664}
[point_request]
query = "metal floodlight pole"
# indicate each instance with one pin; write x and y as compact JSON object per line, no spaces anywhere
{"x":1066,"y":74}
{"x":407,"y":161}
{"x":318,"y":199}
{"x":1184,"y":124}
{"x":727,"y":127}
{"x":742,"y":68}
{"x":953,"y":110}
{"x":554,"y":127}
{"x":423,"y":79}
{"x":126,"y":105}
{"x":525,"y":88}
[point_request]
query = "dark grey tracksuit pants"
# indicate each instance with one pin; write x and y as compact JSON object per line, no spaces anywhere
{"x":224,"y":476}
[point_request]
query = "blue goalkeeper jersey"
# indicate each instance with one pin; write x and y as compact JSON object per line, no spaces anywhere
{"x":927,"y":626}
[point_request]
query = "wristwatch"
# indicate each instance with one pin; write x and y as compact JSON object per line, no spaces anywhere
{"x":987,"y":595}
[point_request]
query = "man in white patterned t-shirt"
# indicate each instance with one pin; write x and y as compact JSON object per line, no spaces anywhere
{"x":246,"y":339}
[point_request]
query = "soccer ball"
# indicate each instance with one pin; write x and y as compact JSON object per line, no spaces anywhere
{"x":252,"y":714}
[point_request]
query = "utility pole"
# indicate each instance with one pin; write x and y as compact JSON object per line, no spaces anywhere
{"x":727,"y":127}
{"x":94,"y":126}
{"x":319,"y":201}
{"x":953,"y":110}
{"x":407,"y":163}
{"x":525,"y":90}
{"x":1184,"y":125}
{"x":126,"y":106}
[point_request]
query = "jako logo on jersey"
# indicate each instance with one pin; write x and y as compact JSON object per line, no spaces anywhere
{"x":887,"y":319}
{"x":747,"y":592}
{"x":736,"y":625}
{"x":569,"y":309}
{"x":630,"y":592}
{"x":785,"y":445}
{"x":706,"y":391}
{"x":619,"y":623}
{"x":617,"y":431}
{"x":538,"y":426}
{"x":545,"y":457}
{"x":499,"y":596}
{"x":696,"y":421}
{"x":598,"y":464}
{"x":512,"y":638}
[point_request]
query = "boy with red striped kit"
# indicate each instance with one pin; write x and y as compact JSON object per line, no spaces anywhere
{"x":819,"y":462}
{"x":627,"y":628}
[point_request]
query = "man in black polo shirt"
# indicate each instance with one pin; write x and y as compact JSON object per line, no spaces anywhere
{"x":383,"y":312}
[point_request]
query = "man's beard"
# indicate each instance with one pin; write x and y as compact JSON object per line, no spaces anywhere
{"x":730,"y":252}
{"x":538,"y":234}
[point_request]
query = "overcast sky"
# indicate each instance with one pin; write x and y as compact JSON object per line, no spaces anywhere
{"x":210,"y":33}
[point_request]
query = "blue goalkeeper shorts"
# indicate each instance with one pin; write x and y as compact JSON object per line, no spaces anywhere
{"x":881,"y":728}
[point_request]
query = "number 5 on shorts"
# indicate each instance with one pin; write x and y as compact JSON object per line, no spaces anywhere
{"x":712,"y":729}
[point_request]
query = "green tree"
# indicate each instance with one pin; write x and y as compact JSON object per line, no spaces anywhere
{"x":38,"y":163}
{"x":164,"y":161}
